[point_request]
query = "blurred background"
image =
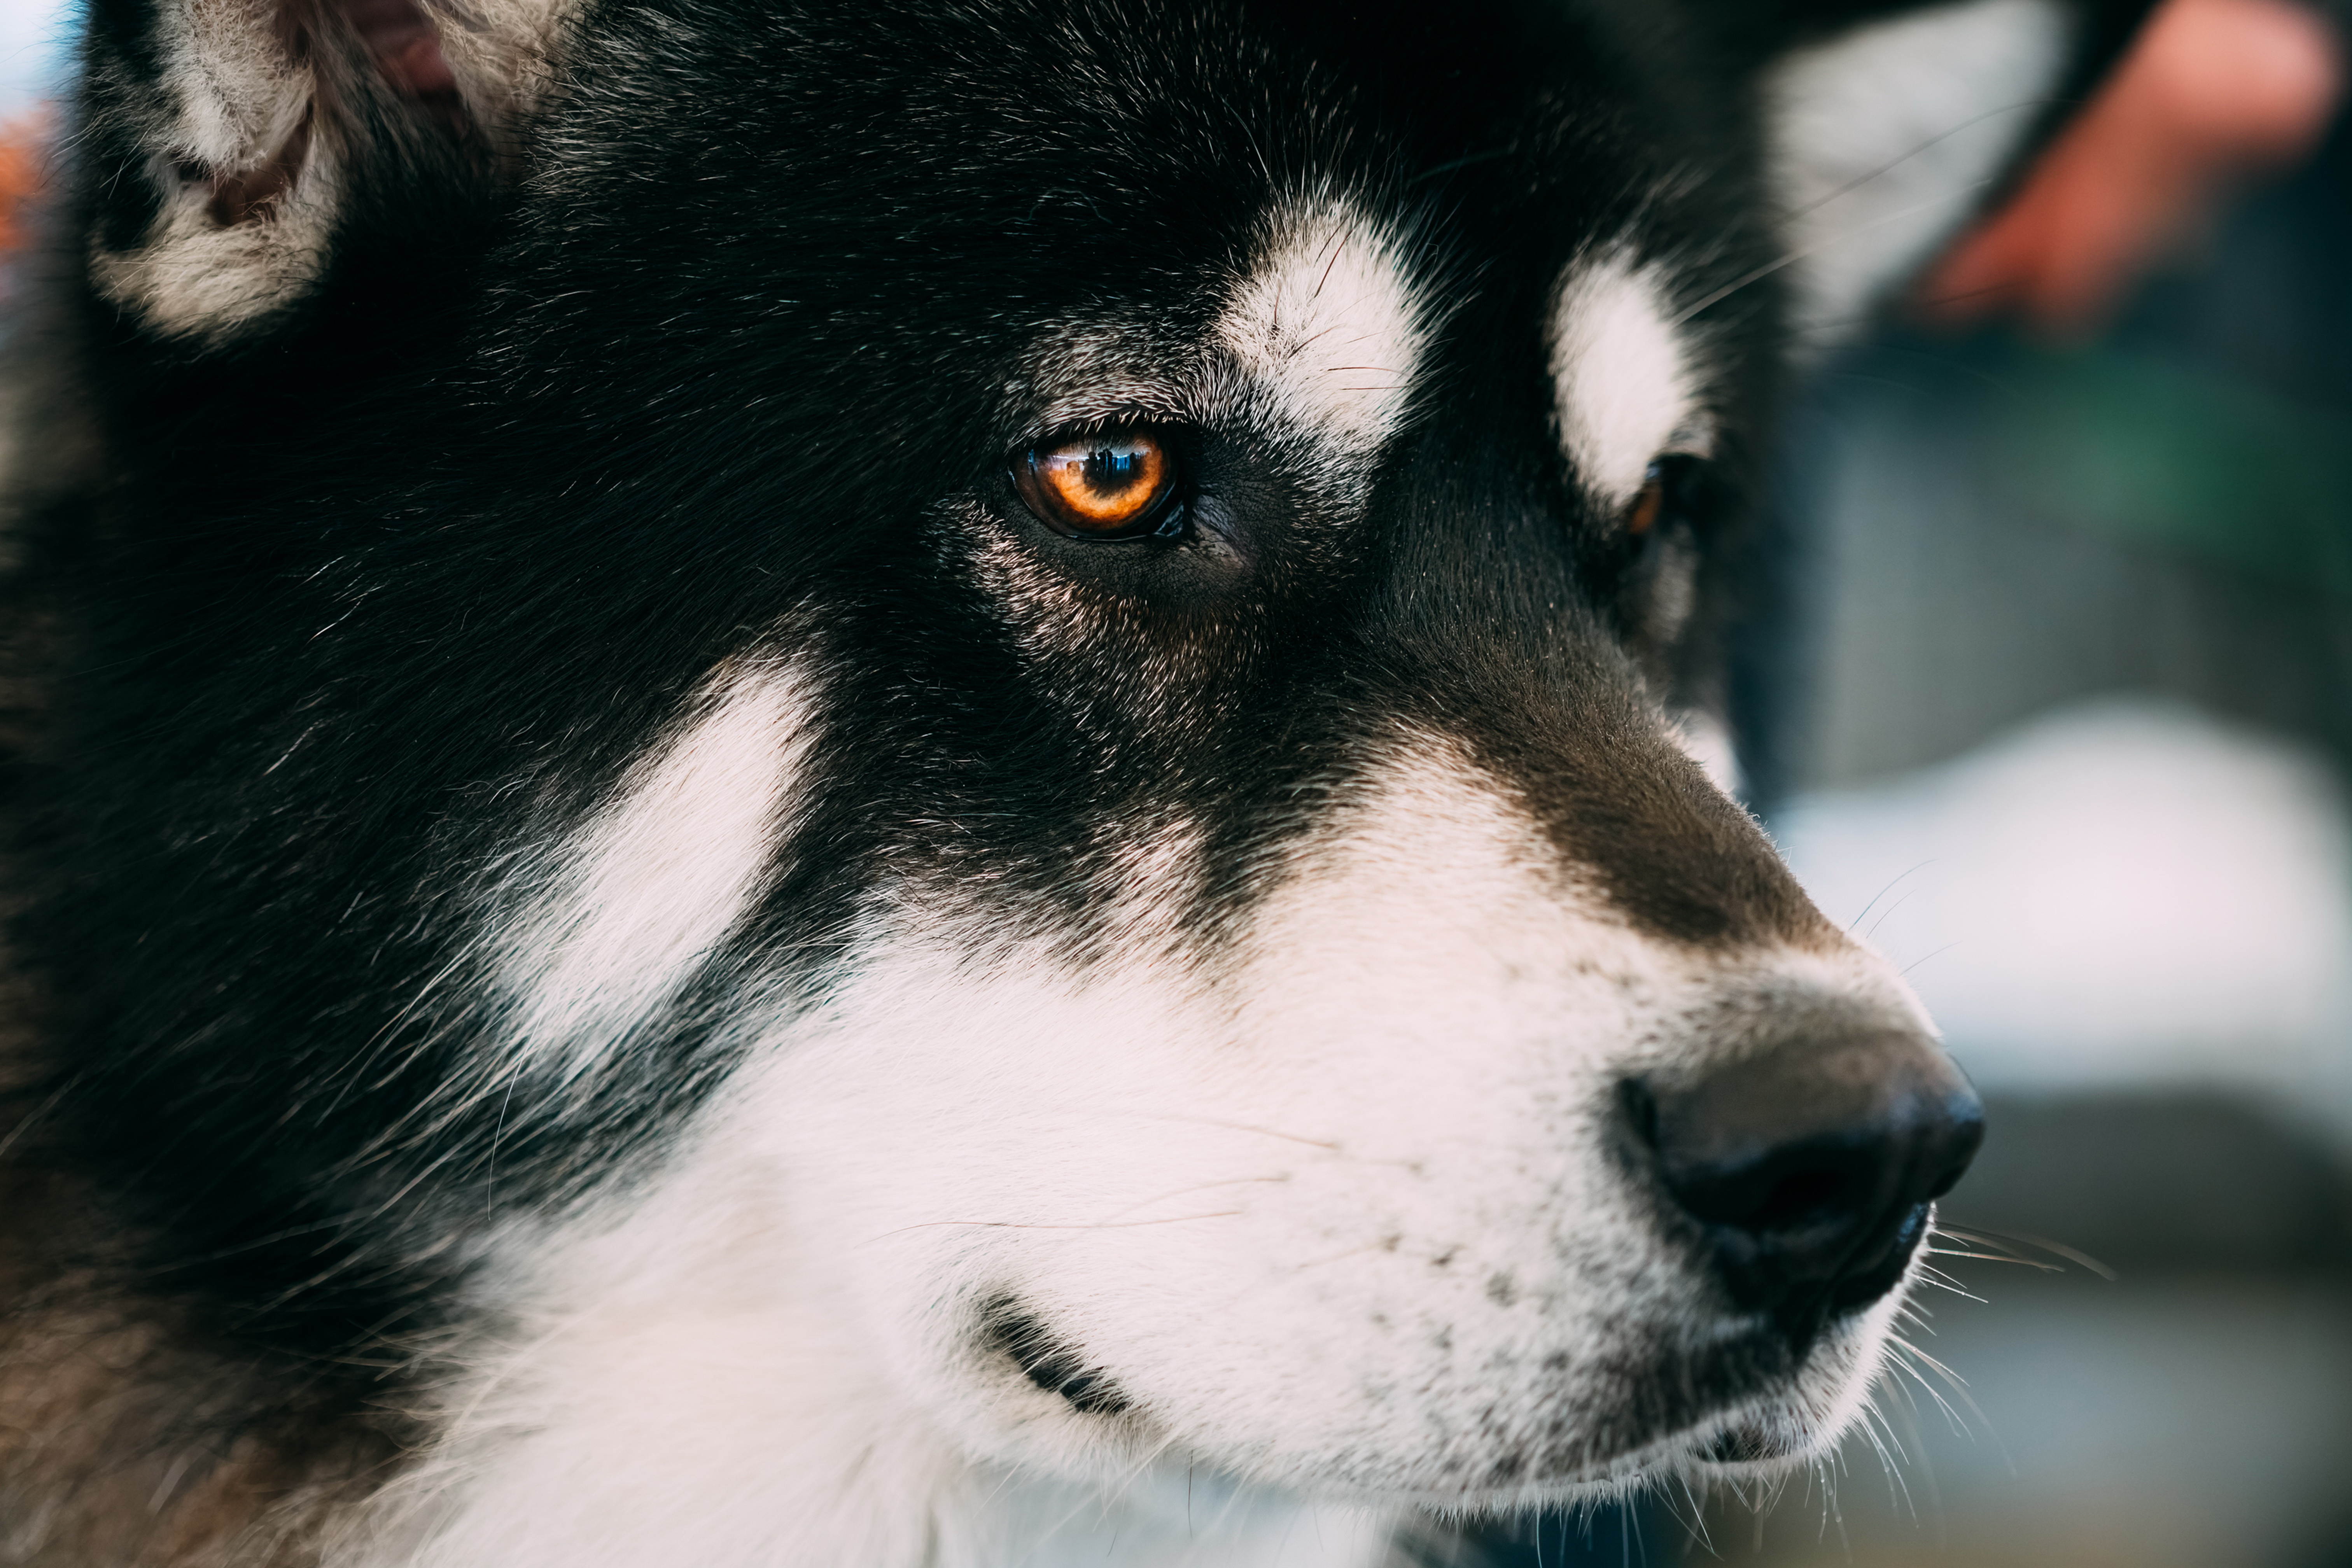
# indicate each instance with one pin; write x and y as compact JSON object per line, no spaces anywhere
{"x":34,"y":36}
{"x":2067,"y":731}
{"x":2072,"y":742}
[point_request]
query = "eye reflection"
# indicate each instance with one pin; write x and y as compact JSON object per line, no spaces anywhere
{"x":1114,"y":485}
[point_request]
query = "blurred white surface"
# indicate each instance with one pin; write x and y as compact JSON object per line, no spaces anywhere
{"x":2120,"y":894}
{"x":35,"y":37}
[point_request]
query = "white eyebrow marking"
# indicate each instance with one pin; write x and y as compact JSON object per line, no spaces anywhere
{"x":1327,"y":324}
{"x":1626,"y":383}
{"x":637,"y":897}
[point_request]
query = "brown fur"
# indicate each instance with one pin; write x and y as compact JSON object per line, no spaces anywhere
{"x":131,"y":1436}
{"x":134,"y":1433}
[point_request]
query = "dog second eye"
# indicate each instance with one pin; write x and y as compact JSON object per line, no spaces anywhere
{"x":1643,"y":515}
{"x":1112,"y":486}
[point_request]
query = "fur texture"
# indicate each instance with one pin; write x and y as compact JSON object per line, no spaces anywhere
{"x":621,"y":959}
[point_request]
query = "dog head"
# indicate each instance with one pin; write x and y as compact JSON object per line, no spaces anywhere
{"x":1061,"y":651}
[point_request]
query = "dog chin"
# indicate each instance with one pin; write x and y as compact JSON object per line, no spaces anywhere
{"x":1072,"y":1423}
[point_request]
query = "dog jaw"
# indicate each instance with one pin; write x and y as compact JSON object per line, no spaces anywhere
{"x":1326,"y":1210}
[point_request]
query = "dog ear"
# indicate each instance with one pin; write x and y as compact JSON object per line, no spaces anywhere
{"x":233,"y":152}
{"x":1890,"y":125}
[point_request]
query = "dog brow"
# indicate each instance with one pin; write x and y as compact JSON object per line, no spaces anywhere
{"x":1326,"y":322}
{"x":1626,"y":384}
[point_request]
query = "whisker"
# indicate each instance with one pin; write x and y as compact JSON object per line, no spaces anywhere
{"x":1935,"y":140}
{"x":1943,"y":1281}
{"x":1848,"y":189}
{"x":1337,"y":1257}
{"x":1888,"y":913}
{"x":1830,"y":1512}
{"x":1959,"y":1427}
{"x":1956,"y":1381}
{"x":1924,"y":1464}
{"x":1882,"y":892}
{"x":1996,"y":1237}
{"x":1897,"y":1490}
{"x":1806,"y":253}
{"x":1959,"y":1387}
{"x":1187,"y":1192}
{"x":1991,"y":1257}
{"x":1698,"y":1526}
{"x":1937,"y":953}
{"x":1246,"y":1127}
{"x":1896,"y":1385}
{"x":1339,"y":247}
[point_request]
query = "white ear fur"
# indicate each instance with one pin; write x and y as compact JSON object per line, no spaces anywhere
{"x":263,"y":120}
{"x":1886,"y":138}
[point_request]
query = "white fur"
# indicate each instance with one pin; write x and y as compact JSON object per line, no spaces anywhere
{"x":1315,"y":354}
{"x":1886,"y":138}
{"x":1325,"y":324}
{"x":1627,"y":381}
{"x":1331,"y":1209}
{"x":1328,"y":1199}
{"x":626,"y":910}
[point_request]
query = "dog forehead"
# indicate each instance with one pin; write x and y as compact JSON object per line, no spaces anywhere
{"x":1313,"y":322}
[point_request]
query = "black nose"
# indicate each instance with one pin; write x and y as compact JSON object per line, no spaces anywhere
{"x":1807,"y":1170}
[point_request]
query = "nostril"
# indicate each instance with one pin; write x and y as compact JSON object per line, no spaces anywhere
{"x":1641,"y":1109}
{"x":1806,"y":1172}
{"x":1802,"y":1198}
{"x":1805,"y":1183}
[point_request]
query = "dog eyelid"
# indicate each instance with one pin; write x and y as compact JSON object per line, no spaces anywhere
{"x":1664,"y":487}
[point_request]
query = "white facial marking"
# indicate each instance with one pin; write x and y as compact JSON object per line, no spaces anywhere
{"x":689,"y":1390}
{"x":1886,"y":138}
{"x":636,"y":898}
{"x":1326,"y":323}
{"x":1335,"y":1212}
{"x":1627,"y":387}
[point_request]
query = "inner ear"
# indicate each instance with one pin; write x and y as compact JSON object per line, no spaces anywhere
{"x":239,"y":144}
{"x":404,"y":45}
{"x":392,"y":42}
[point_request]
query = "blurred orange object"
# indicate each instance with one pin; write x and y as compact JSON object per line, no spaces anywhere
{"x":24,"y":163}
{"x":2215,"y":92}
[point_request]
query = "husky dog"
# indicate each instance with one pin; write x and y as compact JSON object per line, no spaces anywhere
{"x":928,"y":784}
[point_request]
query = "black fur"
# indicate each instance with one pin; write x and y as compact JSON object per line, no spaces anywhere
{"x":731,"y":347}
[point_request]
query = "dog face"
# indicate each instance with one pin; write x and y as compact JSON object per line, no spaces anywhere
{"x":1030,"y":672}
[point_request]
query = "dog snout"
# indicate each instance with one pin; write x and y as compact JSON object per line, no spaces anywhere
{"x":1806,"y":1172}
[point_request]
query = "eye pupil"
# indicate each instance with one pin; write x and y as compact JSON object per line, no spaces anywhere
{"x":1111,"y":471}
{"x":1109,"y":485}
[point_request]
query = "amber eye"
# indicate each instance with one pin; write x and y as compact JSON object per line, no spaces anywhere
{"x":1643,"y":515}
{"x":1115,"y":485}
